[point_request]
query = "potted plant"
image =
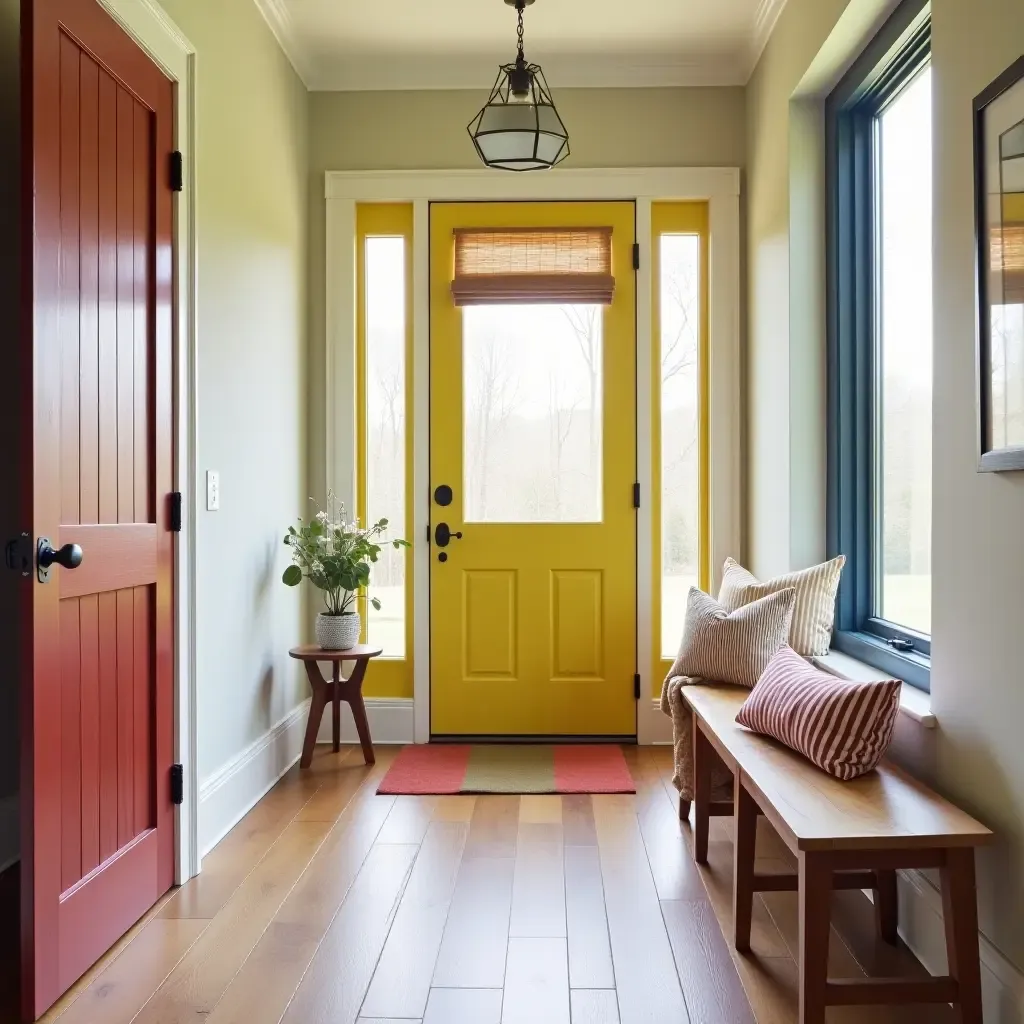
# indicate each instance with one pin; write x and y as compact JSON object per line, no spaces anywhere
{"x":335,"y":556}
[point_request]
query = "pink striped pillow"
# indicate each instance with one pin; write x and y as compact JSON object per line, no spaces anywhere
{"x":844,"y":728}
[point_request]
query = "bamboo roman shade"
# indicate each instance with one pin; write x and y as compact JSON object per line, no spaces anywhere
{"x":533,"y":265}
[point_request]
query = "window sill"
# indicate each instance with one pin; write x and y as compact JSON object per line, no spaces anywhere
{"x":914,"y":703}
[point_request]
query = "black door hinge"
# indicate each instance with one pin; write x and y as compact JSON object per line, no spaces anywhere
{"x":177,"y":170}
{"x":429,"y":534}
{"x":636,"y":255}
{"x":636,"y":686}
{"x":636,"y":495}
{"x":18,"y":554}
{"x":177,"y":784}
{"x":176,"y":511}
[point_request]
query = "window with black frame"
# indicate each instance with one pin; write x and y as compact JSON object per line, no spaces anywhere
{"x":879,"y":167}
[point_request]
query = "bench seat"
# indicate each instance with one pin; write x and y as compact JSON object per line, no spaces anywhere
{"x":843,"y":834}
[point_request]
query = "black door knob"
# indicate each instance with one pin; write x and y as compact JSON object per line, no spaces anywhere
{"x":443,"y":534}
{"x":69,"y":556}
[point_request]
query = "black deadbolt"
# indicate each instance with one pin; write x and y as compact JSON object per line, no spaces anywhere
{"x":443,"y":495}
{"x":443,"y":534}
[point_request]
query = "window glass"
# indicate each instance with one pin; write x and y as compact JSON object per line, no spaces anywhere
{"x":385,"y":433}
{"x":679,"y":303}
{"x":904,"y":476}
{"x":532,"y":413}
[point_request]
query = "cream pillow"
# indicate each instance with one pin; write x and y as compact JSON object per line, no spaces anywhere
{"x":732,"y":647}
{"x":815,"y":610}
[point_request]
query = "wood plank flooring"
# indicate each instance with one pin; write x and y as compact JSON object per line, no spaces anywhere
{"x":329,"y":904}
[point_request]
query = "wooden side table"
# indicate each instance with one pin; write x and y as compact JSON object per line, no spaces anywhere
{"x":334,"y":692}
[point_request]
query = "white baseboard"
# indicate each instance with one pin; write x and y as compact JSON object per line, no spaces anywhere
{"x":652,"y":728}
{"x":10,"y":830}
{"x":230,"y":793}
{"x":922,"y":928}
{"x":392,"y":720}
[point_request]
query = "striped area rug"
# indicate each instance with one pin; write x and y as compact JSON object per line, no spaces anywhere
{"x":438,"y":769}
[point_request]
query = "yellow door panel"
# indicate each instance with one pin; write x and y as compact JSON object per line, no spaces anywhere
{"x":489,"y":631}
{"x":533,"y":427}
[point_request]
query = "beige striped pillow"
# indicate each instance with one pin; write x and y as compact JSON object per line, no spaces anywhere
{"x":811,"y":631}
{"x":844,"y":728}
{"x":732,"y":647}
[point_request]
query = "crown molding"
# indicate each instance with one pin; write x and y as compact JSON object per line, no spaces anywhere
{"x":765,"y":18}
{"x":278,"y":18}
{"x":373,"y":73}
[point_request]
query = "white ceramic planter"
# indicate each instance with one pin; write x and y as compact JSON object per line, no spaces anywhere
{"x":337,"y":632}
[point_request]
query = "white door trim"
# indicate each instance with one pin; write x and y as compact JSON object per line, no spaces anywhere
{"x":147,"y":23}
{"x":720,"y":186}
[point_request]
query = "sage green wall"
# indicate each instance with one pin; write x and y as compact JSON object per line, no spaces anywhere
{"x":252,"y":117}
{"x":700,"y":127}
{"x":975,"y":755}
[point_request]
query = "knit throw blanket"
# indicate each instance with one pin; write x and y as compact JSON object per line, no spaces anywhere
{"x":673,"y":705}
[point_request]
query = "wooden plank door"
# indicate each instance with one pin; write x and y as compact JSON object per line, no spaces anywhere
{"x":97,"y":669}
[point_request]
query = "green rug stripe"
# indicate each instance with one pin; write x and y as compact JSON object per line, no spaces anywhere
{"x":510,"y":769}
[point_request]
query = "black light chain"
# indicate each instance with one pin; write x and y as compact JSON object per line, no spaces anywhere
{"x":520,"y":6}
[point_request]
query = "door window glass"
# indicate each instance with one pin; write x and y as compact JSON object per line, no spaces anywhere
{"x":532,"y":413}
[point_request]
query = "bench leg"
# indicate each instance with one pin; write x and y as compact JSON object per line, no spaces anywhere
{"x":887,"y":906}
{"x":960,"y":915}
{"x":815,"y":884}
{"x":684,"y":809}
{"x":702,"y":760}
{"x":743,"y":865}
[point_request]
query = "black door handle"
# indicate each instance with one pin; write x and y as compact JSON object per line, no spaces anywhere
{"x":70,"y":555}
{"x":443,"y":534}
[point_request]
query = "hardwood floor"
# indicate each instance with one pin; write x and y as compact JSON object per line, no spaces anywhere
{"x":331,"y":904}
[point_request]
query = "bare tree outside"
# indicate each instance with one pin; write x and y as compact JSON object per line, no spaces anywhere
{"x":679,"y":346}
{"x":532,"y":381}
{"x":385,"y":433}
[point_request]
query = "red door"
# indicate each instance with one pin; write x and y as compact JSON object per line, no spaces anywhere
{"x":97,"y":705}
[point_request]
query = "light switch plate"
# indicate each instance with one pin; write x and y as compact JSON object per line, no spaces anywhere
{"x":212,"y":490}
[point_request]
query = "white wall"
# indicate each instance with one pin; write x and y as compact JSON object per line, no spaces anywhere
{"x":976,"y":755}
{"x":252,"y":148}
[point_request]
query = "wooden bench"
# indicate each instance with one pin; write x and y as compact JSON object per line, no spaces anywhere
{"x":844,"y":835}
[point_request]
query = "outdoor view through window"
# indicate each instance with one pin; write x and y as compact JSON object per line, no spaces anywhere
{"x":679,"y":289}
{"x":385,"y":434}
{"x":904,"y":478}
{"x":532,"y":384}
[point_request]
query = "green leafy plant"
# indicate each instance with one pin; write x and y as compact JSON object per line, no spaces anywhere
{"x":335,"y":555}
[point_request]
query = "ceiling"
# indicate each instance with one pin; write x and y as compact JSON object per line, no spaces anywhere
{"x":455,"y":44}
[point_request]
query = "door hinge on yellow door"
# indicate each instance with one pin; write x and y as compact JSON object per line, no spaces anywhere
{"x":636,"y":686}
{"x":636,"y":495}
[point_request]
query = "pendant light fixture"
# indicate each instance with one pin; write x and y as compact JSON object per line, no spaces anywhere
{"x":518,"y":128}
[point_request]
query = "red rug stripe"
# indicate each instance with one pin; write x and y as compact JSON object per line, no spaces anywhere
{"x":427,"y":770}
{"x":592,"y":769}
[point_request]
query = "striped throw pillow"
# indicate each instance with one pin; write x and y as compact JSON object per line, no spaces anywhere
{"x":732,"y":647}
{"x":844,"y":728}
{"x":811,"y":631}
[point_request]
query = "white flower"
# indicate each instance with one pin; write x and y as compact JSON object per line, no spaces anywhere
{"x":322,"y":516}
{"x":317,"y":566}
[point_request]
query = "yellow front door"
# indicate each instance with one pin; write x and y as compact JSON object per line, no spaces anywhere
{"x":533,"y":430}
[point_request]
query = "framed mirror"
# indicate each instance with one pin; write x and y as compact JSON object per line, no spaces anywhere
{"x":999,"y":205}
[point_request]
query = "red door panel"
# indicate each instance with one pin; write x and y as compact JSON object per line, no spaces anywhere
{"x":97,"y":663}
